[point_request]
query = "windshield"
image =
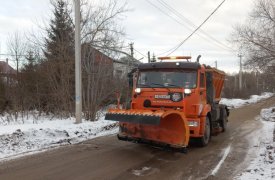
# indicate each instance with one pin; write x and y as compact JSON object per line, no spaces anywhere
{"x":172,"y":79}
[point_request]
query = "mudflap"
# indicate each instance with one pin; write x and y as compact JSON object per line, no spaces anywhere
{"x":158,"y":127}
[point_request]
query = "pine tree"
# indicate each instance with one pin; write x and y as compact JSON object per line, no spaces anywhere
{"x":60,"y":40}
{"x":59,"y":53}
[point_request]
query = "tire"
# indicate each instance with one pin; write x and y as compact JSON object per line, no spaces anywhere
{"x":224,"y":120}
{"x":203,"y":141}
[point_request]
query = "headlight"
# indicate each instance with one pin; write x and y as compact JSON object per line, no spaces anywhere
{"x":187,"y":91}
{"x":193,"y":123}
{"x":138,"y":90}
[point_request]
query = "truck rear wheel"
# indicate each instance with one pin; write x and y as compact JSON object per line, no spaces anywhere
{"x":203,"y":141}
{"x":223,"y":120}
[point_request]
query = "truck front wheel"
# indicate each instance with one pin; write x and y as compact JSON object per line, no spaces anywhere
{"x":203,"y":141}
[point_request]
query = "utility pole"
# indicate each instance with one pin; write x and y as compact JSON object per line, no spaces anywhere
{"x":240,"y":73}
{"x":132,"y":49}
{"x":149,"y":58}
{"x":16,"y":58}
{"x":8,"y":73}
{"x":154,"y":58}
{"x":78,"y":79}
{"x":257,"y":81}
{"x":216,"y":64}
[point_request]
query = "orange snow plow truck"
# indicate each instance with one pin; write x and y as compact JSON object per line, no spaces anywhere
{"x":172,"y":103}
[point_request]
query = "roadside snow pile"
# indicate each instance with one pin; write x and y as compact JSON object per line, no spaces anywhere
{"x":268,"y":114}
{"x":17,"y":139}
{"x":236,"y":103}
{"x":263,"y":166}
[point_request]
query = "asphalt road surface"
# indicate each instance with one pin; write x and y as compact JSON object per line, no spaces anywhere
{"x":108,"y":158}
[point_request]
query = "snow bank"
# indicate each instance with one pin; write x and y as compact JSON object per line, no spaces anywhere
{"x":236,"y":103}
{"x":268,"y":114}
{"x":27,"y":136}
{"x":263,"y":166}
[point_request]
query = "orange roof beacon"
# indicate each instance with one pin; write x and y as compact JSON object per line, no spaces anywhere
{"x":172,"y":103}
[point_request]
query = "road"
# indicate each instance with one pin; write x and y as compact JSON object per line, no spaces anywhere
{"x":108,"y":158}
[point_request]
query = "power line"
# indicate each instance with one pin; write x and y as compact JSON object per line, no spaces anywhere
{"x":13,"y":55}
{"x":220,"y":45}
{"x":140,"y":53}
{"x":179,"y":15}
{"x":181,"y":43}
{"x":167,"y":14}
{"x":190,"y":23}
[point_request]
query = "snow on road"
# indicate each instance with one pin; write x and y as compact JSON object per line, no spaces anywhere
{"x":32,"y":134}
{"x":18,"y":138}
{"x":236,"y":103}
{"x":263,"y":166}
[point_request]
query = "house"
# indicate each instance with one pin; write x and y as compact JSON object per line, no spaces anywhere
{"x":96,"y":62}
{"x":124,"y":65}
{"x":105,"y":64}
{"x":6,"y":69}
{"x":271,"y":67}
{"x":7,"y":73}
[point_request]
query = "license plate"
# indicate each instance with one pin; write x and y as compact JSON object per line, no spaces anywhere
{"x":162,"y":96}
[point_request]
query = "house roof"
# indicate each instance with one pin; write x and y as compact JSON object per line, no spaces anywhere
{"x":5,"y":68}
{"x":88,"y":49}
{"x":128,"y":60}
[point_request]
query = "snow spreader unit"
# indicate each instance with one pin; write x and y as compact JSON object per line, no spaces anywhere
{"x":173,"y":102}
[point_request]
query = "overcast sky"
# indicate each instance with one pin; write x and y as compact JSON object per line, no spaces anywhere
{"x":150,"y":29}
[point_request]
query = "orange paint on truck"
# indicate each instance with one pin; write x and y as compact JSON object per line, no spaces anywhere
{"x":173,"y":102}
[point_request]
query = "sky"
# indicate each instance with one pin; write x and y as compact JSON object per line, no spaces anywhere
{"x":152,"y":27}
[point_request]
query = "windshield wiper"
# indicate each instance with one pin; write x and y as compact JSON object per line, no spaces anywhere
{"x":174,"y":85}
{"x":160,"y":85}
{"x":145,"y":86}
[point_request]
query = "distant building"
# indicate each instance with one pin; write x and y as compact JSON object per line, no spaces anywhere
{"x":271,"y":67}
{"x":6,"y":69}
{"x":124,"y":65}
{"x":119,"y":68}
{"x":7,"y":73}
{"x":96,"y":62}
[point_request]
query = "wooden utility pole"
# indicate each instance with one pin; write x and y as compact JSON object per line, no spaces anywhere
{"x":154,"y":58}
{"x":78,"y":79}
{"x":149,"y":58}
{"x":132,"y":49}
{"x":240,"y":73}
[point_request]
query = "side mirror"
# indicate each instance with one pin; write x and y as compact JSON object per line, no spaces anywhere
{"x":130,"y":77}
{"x":130,"y":80}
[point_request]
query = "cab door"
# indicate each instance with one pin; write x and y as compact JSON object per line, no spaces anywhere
{"x":202,"y":84}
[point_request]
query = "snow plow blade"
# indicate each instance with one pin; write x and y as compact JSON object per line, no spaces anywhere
{"x":156,"y":127}
{"x":134,"y":116}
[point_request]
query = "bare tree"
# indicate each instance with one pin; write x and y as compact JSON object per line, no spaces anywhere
{"x":16,"y":47}
{"x":257,"y":35}
{"x":100,"y":34}
{"x":47,"y":78}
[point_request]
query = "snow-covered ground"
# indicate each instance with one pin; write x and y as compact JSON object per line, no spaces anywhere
{"x":27,"y":136}
{"x":39,"y":133}
{"x":236,"y":103}
{"x":263,"y":166}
